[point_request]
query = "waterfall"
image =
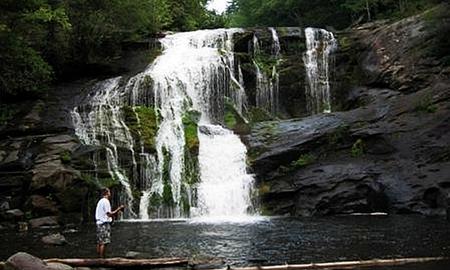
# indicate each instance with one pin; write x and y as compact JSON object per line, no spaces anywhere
{"x":276,"y":43}
{"x":177,"y":174}
{"x":100,"y":123}
{"x":198,"y":77}
{"x":320,"y":44}
{"x":225,"y":189}
{"x":267,"y":80}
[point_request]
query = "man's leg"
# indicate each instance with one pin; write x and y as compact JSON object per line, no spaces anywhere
{"x":101,"y":250}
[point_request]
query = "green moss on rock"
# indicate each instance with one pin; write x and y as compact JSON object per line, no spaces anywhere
{"x":259,"y":115}
{"x":190,"y":123}
{"x":143,"y":125}
{"x":304,"y":160}
{"x":233,"y":120}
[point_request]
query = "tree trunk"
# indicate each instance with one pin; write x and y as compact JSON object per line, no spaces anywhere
{"x":346,"y":264}
{"x":121,"y":262}
{"x":368,"y":11}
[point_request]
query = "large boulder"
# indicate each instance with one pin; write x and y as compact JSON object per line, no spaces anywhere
{"x":56,"y":239}
{"x":44,"y":221}
{"x":41,"y":205}
{"x":25,"y":261}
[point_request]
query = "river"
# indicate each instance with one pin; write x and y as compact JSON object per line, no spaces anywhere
{"x":266,"y":242}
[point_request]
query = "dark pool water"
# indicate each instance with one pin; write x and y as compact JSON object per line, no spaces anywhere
{"x":272,"y":241}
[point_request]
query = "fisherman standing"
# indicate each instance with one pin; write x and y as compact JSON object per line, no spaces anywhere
{"x":103,"y":219}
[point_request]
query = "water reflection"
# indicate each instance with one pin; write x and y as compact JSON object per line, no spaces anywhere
{"x":267,"y":242}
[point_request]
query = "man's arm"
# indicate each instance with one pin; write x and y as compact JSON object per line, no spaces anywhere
{"x":113,"y":213}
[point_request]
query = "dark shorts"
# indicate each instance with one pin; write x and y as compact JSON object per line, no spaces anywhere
{"x":104,"y":233}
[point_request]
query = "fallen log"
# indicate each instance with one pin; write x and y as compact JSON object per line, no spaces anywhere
{"x":120,"y":262}
{"x":345,"y":264}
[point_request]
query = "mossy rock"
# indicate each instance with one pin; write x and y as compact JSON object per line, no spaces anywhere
{"x":233,"y":120}
{"x":190,"y":123}
{"x":257,"y":114}
{"x":143,"y":124}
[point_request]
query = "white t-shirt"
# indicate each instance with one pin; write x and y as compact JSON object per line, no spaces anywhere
{"x":103,"y":207}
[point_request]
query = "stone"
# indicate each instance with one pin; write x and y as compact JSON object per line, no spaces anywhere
{"x":2,"y":155}
{"x":12,"y":157}
{"x":15,"y":213}
{"x":54,"y":239}
{"x":59,"y":139}
{"x":133,"y":255}
{"x":4,"y":206}
{"x":25,"y":261}
{"x":41,"y":206}
{"x":58,"y":266}
{"x":44,"y":221}
{"x":52,"y":174}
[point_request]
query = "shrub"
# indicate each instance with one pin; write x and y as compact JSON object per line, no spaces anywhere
{"x":358,"y":148}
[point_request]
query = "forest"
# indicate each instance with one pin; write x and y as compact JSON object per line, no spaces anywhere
{"x":43,"y":42}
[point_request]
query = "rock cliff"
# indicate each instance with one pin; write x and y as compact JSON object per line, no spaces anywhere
{"x":387,"y":149}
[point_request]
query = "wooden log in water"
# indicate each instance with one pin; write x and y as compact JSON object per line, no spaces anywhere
{"x":120,"y":262}
{"x":345,"y":264}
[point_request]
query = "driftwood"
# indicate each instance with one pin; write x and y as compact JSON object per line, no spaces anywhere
{"x":345,"y":264}
{"x":120,"y":262}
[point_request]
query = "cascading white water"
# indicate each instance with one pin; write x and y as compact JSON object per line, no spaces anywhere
{"x":196,"y":72}
{"x":192,"y":74}
{"x":100,"y":123}
{"x":224,"y":192}
{"x":267,"y":85}
{"x":320,"y":44}
{"x":276,"y":48}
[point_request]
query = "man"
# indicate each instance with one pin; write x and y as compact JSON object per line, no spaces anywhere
{"x":103,"y":218}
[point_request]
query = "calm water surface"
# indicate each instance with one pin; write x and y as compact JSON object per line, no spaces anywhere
{"x":272,"y":241}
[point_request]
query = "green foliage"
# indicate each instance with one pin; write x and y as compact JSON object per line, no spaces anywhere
{"x":66,"y":157}
{"x":233,"y":119}
{"x":438,"y":23}
{"x":426,"y":105}
{"x":266,"y":63}
{"x":155,"y":200}
{"x":246,"y":13}
{"x":303,"y":160}
{"x":7,"y":113}
{"x":23,"y":71}
{"x":358,"y":148}
{"x":48,"y":15}
{"x":167,"y":196}
{"x":90,"y":180}
{"x":108,"y":182}
{"x":230,"y":120}
{"x":257,"y":114}
{"x":339,"y":135}
{"x":184,"y":201}
{"x":39,"y":36}
{"x":321,"y":13}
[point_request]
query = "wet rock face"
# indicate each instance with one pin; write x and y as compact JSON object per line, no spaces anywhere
{"x":290,"y":66}
{"x":388,"y":153}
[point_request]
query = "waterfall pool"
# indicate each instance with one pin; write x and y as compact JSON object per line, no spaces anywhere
{"x":264,"y":242}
